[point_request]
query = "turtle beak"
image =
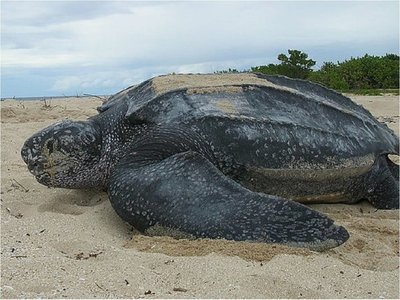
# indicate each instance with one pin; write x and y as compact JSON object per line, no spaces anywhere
{"x":35,"y":162}
{"x":26,"y":154}
{"x":30,"y":152}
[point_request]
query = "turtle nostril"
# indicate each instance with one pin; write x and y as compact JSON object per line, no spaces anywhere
{"x":50,"y":146}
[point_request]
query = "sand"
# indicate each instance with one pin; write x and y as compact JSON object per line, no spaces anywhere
{"x":58,"y":243}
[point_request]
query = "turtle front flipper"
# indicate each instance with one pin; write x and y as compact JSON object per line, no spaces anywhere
{"x":186,"y":192}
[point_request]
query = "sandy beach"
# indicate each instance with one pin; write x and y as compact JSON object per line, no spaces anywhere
{"x":58,"y":243}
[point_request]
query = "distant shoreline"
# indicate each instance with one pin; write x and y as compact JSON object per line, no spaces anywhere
{"x":53,"y":97}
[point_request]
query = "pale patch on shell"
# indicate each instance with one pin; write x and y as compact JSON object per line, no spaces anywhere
{"x":207,"y":83}
{"x":226,"y":106}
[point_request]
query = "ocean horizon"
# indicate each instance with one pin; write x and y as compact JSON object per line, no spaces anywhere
{"x":36,"y":98}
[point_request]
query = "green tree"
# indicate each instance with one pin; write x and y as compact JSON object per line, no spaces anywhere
{"x":367,"y":72}
{"x":295,"y":65}
{"x":329,"y":75}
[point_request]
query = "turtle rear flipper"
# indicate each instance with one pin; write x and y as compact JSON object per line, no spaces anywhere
{"x":394,"y":169}
{"x":382,"y":184}
{"x":186,"y":192}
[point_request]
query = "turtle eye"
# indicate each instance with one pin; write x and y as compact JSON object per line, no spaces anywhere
{"x":88,"y":137}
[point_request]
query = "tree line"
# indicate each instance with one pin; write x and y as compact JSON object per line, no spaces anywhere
{"x":361,"y":73}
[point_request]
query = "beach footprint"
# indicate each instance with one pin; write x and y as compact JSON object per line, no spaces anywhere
{"x":75,"y":202}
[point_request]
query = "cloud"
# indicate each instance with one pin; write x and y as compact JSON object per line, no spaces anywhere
{"x":82,"y":83}
{"x":81,"y":43}
{"x":44,"y":13}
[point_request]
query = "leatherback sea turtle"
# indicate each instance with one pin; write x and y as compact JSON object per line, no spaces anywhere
{"x":219,"y":155}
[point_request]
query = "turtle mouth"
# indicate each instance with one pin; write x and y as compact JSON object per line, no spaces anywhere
{"x":44,"y":178}
{"x":36,"y":168}
{"x":40,"y":168}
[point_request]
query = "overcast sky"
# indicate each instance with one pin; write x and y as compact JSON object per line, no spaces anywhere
{"x":100,"y":47}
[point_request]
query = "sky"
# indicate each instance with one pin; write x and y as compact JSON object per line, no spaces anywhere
{"x":55,"y":48}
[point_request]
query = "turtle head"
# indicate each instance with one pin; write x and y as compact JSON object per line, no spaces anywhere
{"x":65,"y":154}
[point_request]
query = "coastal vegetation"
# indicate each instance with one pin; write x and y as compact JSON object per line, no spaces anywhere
{"x":369,"y":74}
